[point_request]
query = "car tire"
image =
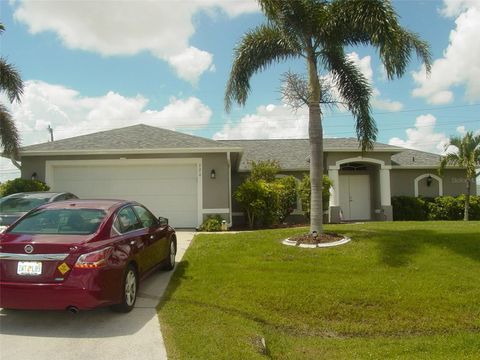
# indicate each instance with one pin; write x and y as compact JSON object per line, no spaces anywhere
{"x":129,"y":291}
{"x":169,"y":263}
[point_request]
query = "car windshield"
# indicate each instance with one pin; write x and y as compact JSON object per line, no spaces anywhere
{"x":60,"y":221}
{"x":21,"y":204}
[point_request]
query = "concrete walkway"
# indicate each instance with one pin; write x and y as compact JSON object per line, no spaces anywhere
{"x":98,"y":334}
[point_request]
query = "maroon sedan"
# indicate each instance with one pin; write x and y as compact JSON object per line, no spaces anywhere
{"x":81,"y":254}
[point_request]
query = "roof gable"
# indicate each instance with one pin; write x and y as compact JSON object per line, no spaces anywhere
{"x":141,"y":138}
{"x":293,"y":154}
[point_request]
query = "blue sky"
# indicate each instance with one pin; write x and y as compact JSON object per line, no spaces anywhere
{"x":96,"y":65}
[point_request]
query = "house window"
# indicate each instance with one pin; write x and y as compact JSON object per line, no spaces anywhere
{"x":353,"y":167}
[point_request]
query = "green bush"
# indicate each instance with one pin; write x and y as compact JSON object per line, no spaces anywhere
{"x":212,"y":223}
{"x":439,"y":208}
{"x":22,"y":185}
{"x":258,"y":200}
{"x":453,"y":208}
{"x":407,"y":208}
{"x":474,"y":212}
{"x":286,"y":191}
{"x":304,"y":191}
{"x":265,"y":198}
{"x":264,"y":170}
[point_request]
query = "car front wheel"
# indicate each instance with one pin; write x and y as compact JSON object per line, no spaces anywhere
{"x":130,"y":287}
{"x":172,"y":251}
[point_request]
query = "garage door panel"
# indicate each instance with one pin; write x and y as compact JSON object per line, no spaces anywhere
{"x":168,"y":190}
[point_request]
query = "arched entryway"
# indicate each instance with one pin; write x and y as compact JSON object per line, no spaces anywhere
{"x":360,"y":191}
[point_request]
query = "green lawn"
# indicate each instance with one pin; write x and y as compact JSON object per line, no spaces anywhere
{"x":404,"y":290}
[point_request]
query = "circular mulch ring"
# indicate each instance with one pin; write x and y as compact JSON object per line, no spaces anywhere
{"x":312,"y":241}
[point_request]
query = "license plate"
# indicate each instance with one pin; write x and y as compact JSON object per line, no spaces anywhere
{"x":29,"y":268}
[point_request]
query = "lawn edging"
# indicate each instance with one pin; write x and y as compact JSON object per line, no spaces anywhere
{"x":313,"y":246}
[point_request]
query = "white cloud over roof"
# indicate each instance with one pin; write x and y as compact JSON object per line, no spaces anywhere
{"x":129,"y":27}
{"x":71,"y":114}
{"x":460,"y":64}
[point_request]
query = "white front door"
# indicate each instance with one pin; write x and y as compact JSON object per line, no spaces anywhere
{"x":355,"y":197}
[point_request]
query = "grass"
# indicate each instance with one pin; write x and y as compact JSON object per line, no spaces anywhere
{"x":403,"y":290}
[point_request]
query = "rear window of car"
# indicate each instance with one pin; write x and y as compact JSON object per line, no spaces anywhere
{"x":60,"y":221}
{"x":20,"y":204}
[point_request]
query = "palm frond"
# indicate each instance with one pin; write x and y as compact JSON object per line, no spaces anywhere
{"x":10,"y":81}
{"x":9,"y":137}
{"x":355,"y":90}
{"x":375,"y":22}
{"x":257,"y":50}
{"x":467,"y":154}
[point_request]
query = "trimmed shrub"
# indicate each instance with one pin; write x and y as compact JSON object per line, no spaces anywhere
{"x":264,"y":170}
{"x":407,"y":208}
{"x":212,"y":223}
{"x":439,"y":208}
{"x":304,"y":192}
{"x":286,"y":190}
{"x":22,"y":185}
{"x":258,"y":200}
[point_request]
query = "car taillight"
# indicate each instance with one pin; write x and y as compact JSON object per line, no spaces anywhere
{"x":94,"y":259}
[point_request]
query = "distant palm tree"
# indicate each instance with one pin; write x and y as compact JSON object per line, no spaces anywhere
{"x":12,"y":84}
{"x":467,"y":156}
{"x":318,"y":31}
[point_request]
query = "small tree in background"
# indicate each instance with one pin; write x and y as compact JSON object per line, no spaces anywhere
{"x":255,"y":197}
{"x":304,"y":192}
{"x":286,"y":190}
{"x":467,"y":156}
{"x":265,"y":198}
{"x":264,"y":170}
{"x":22,"y":185}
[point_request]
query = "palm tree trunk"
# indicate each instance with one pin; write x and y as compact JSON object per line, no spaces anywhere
{"x":467,"y":201}
{"x":315,"y":133}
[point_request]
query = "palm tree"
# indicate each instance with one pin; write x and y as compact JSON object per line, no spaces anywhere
{"x":318,"y":31}
{"x":11,"y":83}
{"x":467,"y":156}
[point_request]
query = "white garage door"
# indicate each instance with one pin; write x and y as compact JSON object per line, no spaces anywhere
{"x":169,"y":190}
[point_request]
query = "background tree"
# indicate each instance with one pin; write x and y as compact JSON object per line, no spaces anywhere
{"x":466,"y":155}
{"x":318,"y":32}
{"x":11,"y":83}
{"x":305,"y":194}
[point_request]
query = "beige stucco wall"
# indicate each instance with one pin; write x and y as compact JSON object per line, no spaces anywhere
{"x":403,"y":182}
{"x":215,"y":191}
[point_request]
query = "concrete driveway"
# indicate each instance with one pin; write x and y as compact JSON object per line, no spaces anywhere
{"x":96,"y":334}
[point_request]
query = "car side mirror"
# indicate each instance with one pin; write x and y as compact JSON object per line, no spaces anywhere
{"x":163,"y":221}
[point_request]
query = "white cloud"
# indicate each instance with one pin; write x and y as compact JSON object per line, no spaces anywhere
{"x":269,"y":122}
{"x":423,"y":137}
{"x":377,"y":102}
{"x":129,"y":27}
{"x":191,"y":63}
{"x":364,"y":64}
{"x":71,"y":114}
{"x":460,"y":64}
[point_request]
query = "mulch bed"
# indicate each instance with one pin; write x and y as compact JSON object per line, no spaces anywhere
{"x":316,"y":238}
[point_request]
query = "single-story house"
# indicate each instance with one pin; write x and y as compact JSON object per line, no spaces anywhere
{"x":186,"y":178}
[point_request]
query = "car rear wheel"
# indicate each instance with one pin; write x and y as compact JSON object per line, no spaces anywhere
{"x":130,"y":287}
{"x":172,"y":252}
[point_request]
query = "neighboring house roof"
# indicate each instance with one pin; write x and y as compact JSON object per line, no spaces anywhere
{"x":293,"y":154}
{"x":290,"y":154}
{"x":413,"y":158}
{"x":132,"y":139}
